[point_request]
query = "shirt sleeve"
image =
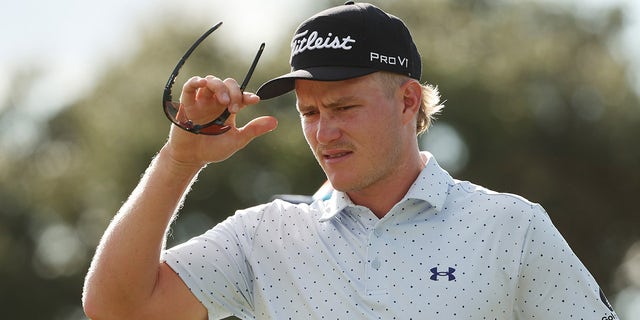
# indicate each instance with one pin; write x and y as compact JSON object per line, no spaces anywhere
{"x":553,"y":283}
{"x":213,"y":266}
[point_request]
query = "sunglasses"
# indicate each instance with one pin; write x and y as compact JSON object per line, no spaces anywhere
{"x":175,"y":110}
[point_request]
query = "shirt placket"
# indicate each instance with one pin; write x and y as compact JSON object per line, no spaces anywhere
{"x":376,"y":266}
{"x":377,"y":270}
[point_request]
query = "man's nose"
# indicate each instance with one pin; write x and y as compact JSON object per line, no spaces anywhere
{"x":328,"y":129}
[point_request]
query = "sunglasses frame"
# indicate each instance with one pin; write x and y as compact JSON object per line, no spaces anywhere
{"x":174,"y":110}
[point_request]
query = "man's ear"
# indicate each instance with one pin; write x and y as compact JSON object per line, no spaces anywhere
{"x":412,"y":98}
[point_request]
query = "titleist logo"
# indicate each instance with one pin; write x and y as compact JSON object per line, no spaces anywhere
{"x":301,"y":42}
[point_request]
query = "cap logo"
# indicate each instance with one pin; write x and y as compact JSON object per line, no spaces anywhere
{"x":390,"y":60}
{"x":301,"y":42}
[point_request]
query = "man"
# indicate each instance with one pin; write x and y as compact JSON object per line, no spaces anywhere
{"x":398,"y":239}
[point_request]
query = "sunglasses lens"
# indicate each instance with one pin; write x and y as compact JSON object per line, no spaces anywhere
{"x":171,"y":110}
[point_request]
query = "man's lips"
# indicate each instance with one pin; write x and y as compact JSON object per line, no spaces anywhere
{"x":334,"y":152}
{"x":335,"y":155}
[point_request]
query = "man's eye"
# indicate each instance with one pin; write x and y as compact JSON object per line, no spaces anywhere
{"x":308,"y":113}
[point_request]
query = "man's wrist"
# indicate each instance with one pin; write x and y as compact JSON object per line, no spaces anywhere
{"x":179,"y":169}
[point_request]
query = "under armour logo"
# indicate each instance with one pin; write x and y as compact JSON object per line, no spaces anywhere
{"x":448,"y":274}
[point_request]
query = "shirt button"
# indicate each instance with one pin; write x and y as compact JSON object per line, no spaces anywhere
{"x":375,"y":264}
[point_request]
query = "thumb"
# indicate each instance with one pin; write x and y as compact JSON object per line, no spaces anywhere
{"x":258,"y":127}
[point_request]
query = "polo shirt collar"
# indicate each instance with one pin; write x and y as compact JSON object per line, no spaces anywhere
{"x":432,"y":186}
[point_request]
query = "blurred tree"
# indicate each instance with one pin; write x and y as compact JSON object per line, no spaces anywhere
{"x":536,"y":95}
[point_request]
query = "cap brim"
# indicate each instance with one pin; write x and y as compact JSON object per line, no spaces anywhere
{"x":285,"y":83}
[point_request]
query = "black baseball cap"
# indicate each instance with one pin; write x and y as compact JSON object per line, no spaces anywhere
{"x":344,"y":42}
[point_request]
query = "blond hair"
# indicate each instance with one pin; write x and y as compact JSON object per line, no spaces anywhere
{"x":430,"y":104}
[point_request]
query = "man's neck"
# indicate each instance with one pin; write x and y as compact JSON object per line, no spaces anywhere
{"x":382,"y":196}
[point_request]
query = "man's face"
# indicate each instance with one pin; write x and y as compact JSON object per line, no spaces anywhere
{"x":353,"y":128}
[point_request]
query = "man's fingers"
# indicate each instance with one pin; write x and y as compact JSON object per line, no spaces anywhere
{"x":256,"y":128}
{"x":248,"y":98}
{"x":235,"y":94}
{"x":203,"y":99}
{"x":190,"y":89}
{"x":227,"y":92}
{"x":218,"y":88}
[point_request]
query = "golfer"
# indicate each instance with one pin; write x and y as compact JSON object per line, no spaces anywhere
{"x":399,"y":238}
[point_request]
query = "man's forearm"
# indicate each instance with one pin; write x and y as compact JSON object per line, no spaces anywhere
{"x":125,"y":267}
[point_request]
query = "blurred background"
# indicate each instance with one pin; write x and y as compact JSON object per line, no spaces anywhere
{"x":542,"y":100}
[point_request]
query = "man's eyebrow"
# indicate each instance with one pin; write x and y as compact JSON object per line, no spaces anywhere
{"x":332,"y":104}
{"x":302,"y":108}
{"x":341,"y":102}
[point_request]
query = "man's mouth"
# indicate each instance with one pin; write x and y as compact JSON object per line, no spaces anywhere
{"x":335,"y":155}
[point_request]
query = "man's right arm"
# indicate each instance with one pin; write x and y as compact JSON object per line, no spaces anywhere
{"x":127,"y":279}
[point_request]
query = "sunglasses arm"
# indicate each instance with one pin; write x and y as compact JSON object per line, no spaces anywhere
{"x":188,"y":125}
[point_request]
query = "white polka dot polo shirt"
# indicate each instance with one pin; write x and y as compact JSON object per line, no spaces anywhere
{"x":448,"y":250}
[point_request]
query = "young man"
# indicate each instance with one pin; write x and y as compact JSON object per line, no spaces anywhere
{"x":398,"y":239}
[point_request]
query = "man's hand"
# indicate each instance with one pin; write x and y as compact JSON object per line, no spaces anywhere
{"x":127,"y":279}
{"x":203,"y":100}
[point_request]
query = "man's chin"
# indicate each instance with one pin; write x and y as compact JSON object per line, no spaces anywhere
{"x":344,"y":185}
